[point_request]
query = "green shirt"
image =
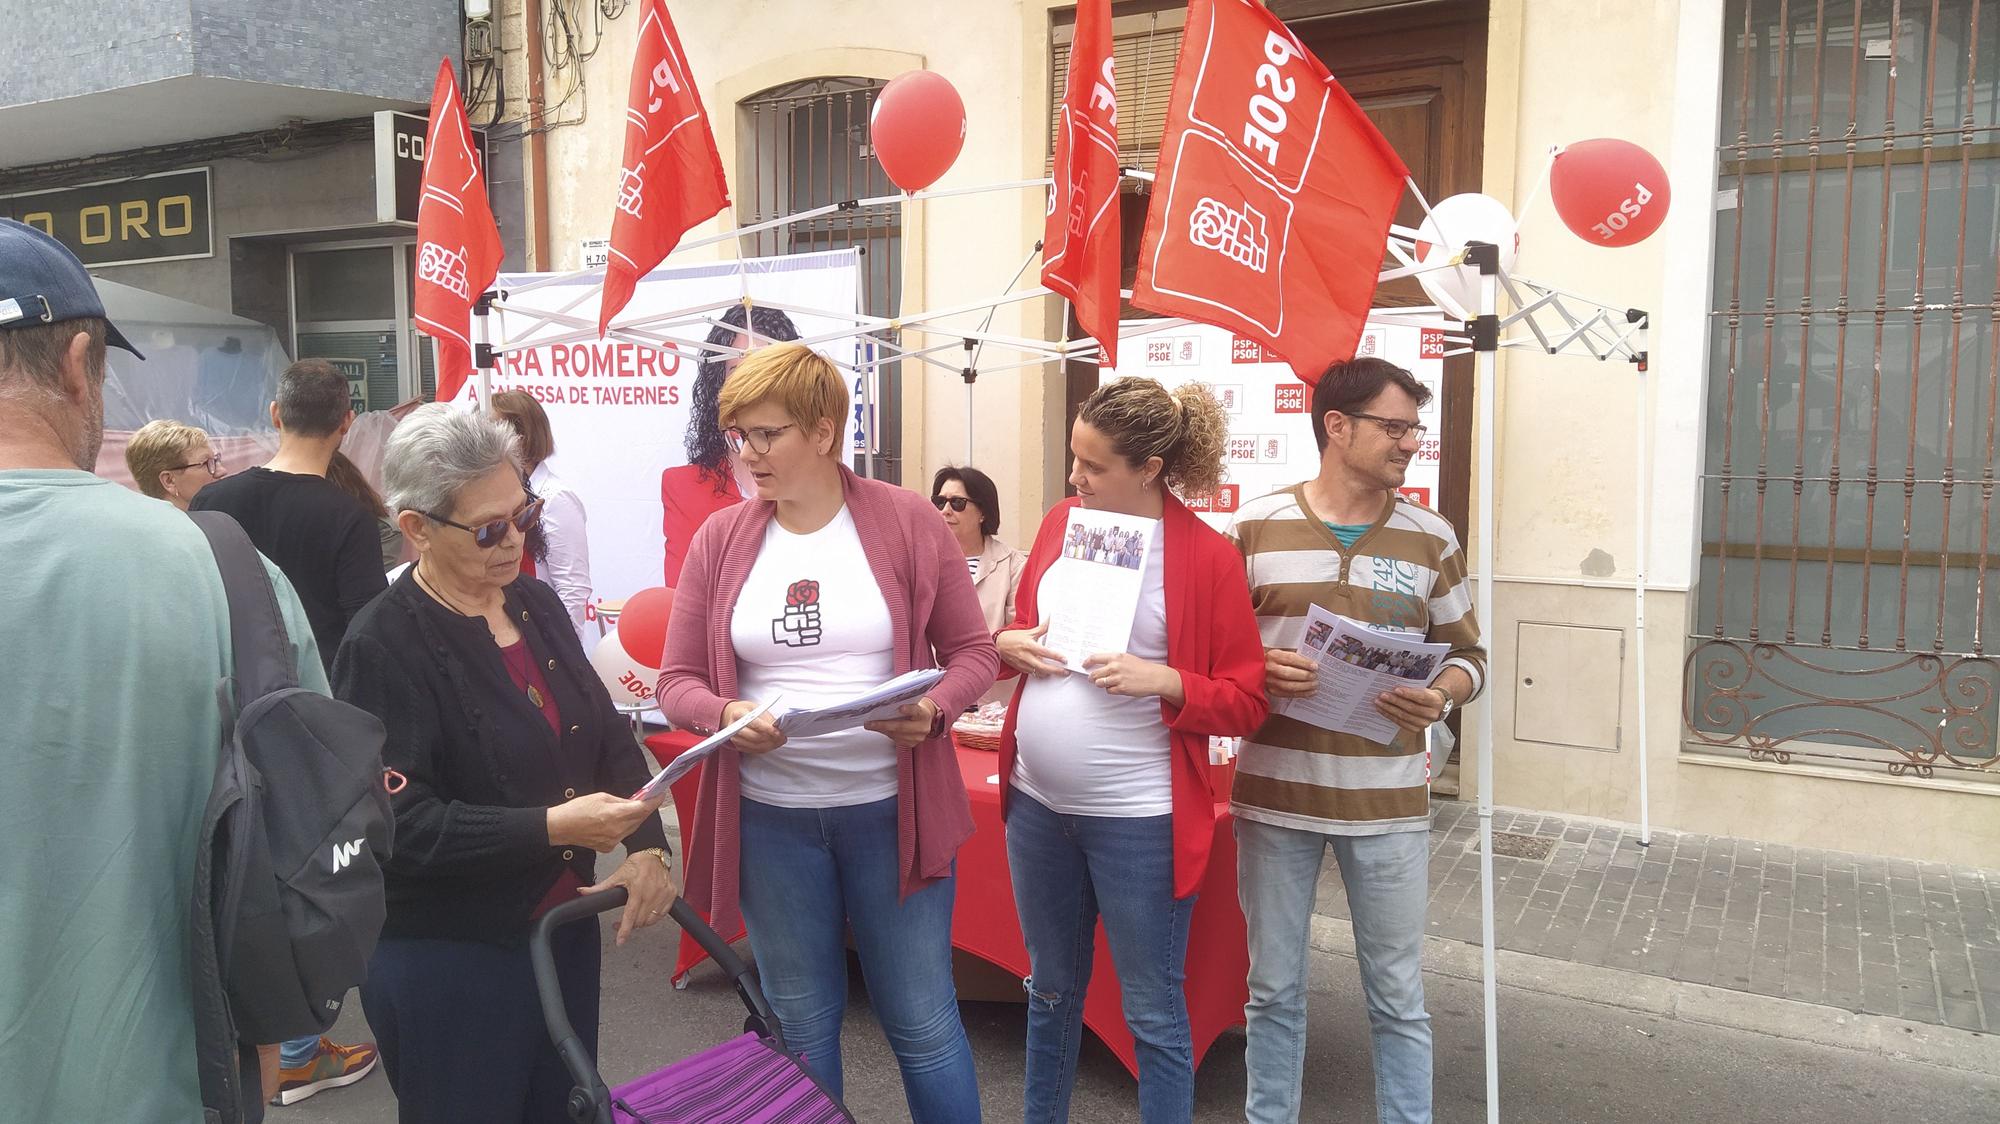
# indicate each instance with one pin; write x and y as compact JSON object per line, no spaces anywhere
{"x":116,"y":632}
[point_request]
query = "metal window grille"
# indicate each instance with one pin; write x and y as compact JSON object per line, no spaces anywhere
{"x":1846,"y":589}
{"x":809,"y":147}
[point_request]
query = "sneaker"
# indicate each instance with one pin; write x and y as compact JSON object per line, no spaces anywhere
{"x":332,"y":1066}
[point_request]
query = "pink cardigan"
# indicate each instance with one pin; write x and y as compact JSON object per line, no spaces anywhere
{"x":932,"y":608}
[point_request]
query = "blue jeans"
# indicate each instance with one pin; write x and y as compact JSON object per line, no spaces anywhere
{"x":1387,"y":880}
{"x":298,"y":1051}
{"x":807,"y":875}
{"x":1069,"y":871}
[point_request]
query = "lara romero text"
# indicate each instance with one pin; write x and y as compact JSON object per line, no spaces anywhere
{"x":536,"y":371}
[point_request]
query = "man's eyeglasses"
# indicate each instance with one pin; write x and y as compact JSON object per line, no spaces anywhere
{"x":212,"y":464}
{"x":491,"y":534}
{"x":759,"y":439}
{"x":1396,"y":428}
{"x":957,"y":503}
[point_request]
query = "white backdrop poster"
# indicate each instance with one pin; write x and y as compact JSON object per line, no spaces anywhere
{"x":622,"y":413}
{"x":1271,"y":442}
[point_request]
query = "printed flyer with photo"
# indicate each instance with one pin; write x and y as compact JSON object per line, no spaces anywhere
{"x":1091,"y":594}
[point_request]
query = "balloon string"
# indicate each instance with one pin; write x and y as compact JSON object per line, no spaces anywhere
{"x":1535,"y":188}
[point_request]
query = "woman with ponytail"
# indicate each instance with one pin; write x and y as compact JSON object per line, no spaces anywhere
{"x":1107,"y":788}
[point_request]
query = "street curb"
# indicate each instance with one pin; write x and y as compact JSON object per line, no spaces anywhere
{"x":1950,"y":1047}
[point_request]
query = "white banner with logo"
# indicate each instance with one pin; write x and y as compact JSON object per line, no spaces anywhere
{"x":1271,"y":443}
{"x":623,"y":415}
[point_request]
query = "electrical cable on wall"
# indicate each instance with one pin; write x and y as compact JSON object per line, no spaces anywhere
{"x":289,"y":142}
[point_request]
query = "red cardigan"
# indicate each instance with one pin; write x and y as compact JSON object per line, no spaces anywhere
{"x":936,"y":622}
{"x":1212,"y":640}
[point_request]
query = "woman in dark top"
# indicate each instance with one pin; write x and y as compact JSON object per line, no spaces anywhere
{"x":348,"y":477}
{"x":518,"y":771}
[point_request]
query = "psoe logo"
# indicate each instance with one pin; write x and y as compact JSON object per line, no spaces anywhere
{"x":632,"y":191}
{"x":1237,"y":235}
{"x":344,"y":853}
{"x":443,"y":268}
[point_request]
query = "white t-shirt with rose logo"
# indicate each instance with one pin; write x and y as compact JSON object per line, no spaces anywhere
{"x":811,"y":624}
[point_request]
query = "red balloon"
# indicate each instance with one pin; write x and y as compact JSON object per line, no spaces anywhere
{"x":1609,"y":192}
{"x":642,"y":627}
{"x":918,"y":126}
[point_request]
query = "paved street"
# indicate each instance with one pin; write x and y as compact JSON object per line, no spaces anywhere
{"x":1859,"y":932}
{"x":1700,"y":980}
{"x":1579,"y":1048}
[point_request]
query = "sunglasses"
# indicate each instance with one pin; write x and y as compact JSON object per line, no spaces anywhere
{"x":957,"y":503}
{"x":212,"y":464}
{"x":491,"y":534}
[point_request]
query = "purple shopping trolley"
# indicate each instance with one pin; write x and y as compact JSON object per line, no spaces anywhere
{"x":750,"y":1079}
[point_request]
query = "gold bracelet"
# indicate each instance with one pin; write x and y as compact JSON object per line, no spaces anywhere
{"x":661,"y":854}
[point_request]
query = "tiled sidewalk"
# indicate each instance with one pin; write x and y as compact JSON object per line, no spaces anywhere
{"x":1882,"y":936}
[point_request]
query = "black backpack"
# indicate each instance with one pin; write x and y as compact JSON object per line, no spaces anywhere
{"x":288,"y":897}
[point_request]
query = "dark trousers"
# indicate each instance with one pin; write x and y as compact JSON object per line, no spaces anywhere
{"x":461,"y":1031}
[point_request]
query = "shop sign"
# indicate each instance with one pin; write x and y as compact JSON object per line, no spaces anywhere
{"x":162,"y":217}
{"x":399,"y":164}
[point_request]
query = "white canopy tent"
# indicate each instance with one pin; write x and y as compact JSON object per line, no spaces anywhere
{"x":1514,"y":313}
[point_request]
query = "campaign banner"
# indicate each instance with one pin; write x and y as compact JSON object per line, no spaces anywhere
{"x":633,"y":425}
{"x":1271,"y":443}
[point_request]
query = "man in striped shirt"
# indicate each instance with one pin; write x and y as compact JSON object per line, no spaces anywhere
{"x":1346,"y":541}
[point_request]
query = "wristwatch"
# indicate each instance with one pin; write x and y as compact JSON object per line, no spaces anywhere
{"x":1450,"y":703}
{"x":659,"y":853}
{"x":942,"y":722}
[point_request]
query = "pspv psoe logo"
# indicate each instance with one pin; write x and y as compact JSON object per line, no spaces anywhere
{"x":1237,"y":235}
{"x":443,"y":268}
{"x":799,"y":625}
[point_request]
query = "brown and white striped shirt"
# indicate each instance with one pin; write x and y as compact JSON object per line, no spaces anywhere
{"x":1405,"y":574}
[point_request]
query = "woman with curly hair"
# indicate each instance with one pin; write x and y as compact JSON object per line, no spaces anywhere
{"x":708,"y":482}
{"x":1106,"y":783}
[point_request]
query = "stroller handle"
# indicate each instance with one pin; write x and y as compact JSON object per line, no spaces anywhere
{"x":762,"y":1020}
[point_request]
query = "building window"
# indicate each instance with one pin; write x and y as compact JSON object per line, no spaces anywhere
{"x":1145,"y":47}
{"x":351,"y":307}
{"x":807,"y":146}
{"x":1847,"y":592}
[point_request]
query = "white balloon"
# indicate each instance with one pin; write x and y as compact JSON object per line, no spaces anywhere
{"x":628,"y":680}
{"x":1452,"y":223}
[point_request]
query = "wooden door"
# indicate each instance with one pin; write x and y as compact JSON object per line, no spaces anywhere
{"x":1420,"y":75}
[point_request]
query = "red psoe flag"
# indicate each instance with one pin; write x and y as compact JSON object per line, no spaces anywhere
{"x":1272,"y":207}
{"x":1080,"y":245}
{"x":672,"y":178}
{"x":458,"y":243}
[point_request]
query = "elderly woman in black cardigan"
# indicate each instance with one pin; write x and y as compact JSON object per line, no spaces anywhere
{"x":519,"y":772}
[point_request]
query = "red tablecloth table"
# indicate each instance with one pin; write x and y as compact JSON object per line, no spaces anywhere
{"x":985,"y":924}
{"x":665,"y":747}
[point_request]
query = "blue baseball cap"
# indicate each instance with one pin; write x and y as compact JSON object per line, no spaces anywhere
{"x":41,"y":282}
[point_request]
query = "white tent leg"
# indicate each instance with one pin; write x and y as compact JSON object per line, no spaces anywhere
{"x":1640,"y":509}
{"x":1484,"y":373}
{"x":482,"y":353}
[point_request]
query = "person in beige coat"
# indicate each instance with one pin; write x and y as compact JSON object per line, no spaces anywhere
{"x":970,"y":505}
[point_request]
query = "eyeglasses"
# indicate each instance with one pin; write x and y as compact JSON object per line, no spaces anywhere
{"x":759,"y":439}
{"x":1396,"y":428}
{"x":212,"y":464}
{"x":490,"y":534}
{"x":957,"y":503}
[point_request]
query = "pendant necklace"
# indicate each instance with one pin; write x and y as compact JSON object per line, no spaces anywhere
{"x":534,"y":693}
